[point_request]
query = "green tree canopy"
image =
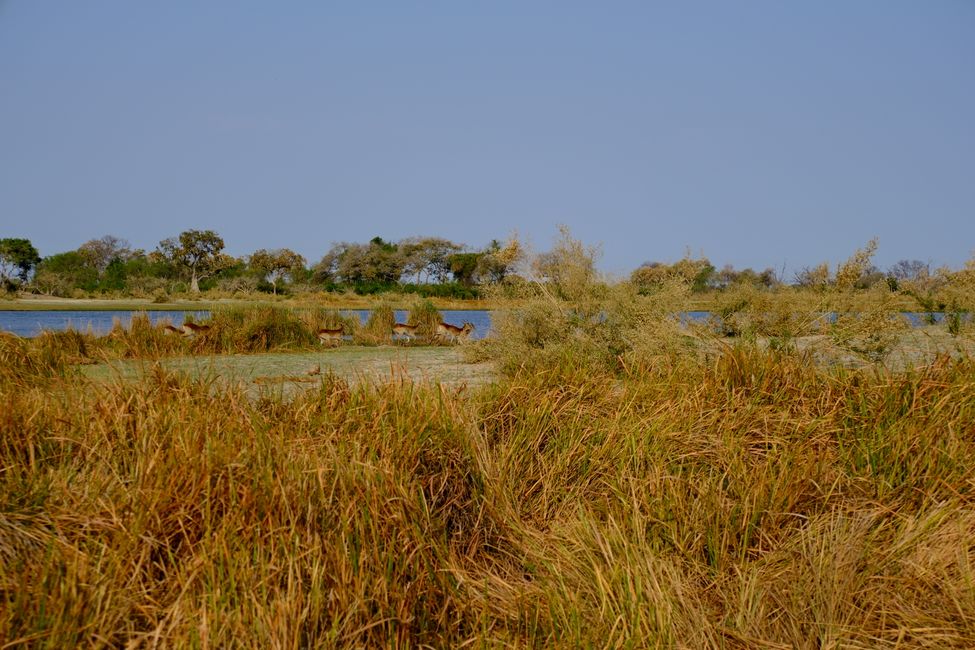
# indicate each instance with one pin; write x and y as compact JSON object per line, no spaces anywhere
{"x":276,"y":264}
{"x":198,"y":252}
{"x":18,"y":257}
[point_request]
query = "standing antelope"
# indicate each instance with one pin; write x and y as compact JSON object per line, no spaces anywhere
{"x":401,"y":329}
{"x":326,"y":335}
{"x":446,"y":331}
{"x":192,"y":329}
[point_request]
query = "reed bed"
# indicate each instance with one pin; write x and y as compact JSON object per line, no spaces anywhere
{"x":629,"y":481}
{"x":747,"y":499}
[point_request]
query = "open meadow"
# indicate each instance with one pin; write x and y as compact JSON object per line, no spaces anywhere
{"x":594,"y":474}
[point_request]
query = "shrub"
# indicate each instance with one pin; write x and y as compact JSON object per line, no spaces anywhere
{"x":426,"y":317}
{"x":569,"y":313}
{"x":379,"y":328}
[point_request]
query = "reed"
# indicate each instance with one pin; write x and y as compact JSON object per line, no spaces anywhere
{"x":746,"y":498}
{"x":426,"y":317}
{"x":629,"y":481}
{"x":378,"y":329}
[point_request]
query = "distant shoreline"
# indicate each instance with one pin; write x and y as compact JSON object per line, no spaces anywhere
{"x":50,"y":303}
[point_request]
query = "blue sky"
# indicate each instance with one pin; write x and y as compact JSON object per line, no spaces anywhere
{"x":760,"y":133}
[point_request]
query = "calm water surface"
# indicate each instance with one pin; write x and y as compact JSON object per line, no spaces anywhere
{"x":32,"y":323}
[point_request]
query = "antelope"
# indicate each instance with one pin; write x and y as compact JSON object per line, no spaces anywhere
{"x":169,"y":329}
{"x":446,"y":331}
{"x":192,"y":329}
{"x":330,"y":335}
{"x":401,"y":329}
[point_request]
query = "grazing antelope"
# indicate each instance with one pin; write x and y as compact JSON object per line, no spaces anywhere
{"x":446,"y":331}
{"x":401,"y":329}
{"x":192,"y":329}
{"x":326,"y":335}
{"x":169,"y":329}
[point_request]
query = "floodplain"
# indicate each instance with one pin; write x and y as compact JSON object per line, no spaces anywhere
{"x":595,"y":473}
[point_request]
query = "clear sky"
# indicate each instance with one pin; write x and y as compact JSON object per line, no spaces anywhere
{"x":760,"y":133}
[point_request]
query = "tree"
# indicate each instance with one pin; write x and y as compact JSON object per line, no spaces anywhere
{"x":62,"y":273}
{"x":498,"y":261}
{"x":910,"y":270}
{"x":650,"y":275}
{"x":101,"y":252}
{"x":464,"y":267}
{"x":814,"y":277}
{"x":17,"y":258}
{"x":327,"y":269}
{"x":376,"y":262}
{"x":277,"y":264}
{"x":429,"y":256}
{"x":199,"y":252}
{"x":698,"y":273}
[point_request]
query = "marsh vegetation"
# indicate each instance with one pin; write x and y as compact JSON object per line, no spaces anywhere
{"x":626,"y":480}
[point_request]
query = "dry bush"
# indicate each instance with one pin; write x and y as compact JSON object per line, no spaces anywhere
{"x":849,"y":272}
{"x":252,"y":329}
{"x":868,"y":325}
{"x":322,"y":318}
{"x":958,"y":297}
{"x":780,"y":316}
{"x":568,"y":314}
{"x":378,"y":330}
{"x":22,"y":360}
{"x":750,"y":502}
{"x":142,"y":340}
{"x":426,"y":317}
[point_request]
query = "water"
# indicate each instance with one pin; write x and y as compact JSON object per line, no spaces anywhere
{"x":32,"y":323}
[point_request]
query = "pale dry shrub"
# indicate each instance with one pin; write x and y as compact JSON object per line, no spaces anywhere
{"x":780,"y":316}
{"x":850,"y":271}
{"x":142,"y":340}
{"x":868,"y":324}
{"x":378,"y":330}
{"x":323,"y":318}
{"x":958,"y":295}
{"x":567,"y":313}
{"x":425,"y":316}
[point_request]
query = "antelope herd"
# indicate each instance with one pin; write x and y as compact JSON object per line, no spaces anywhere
{"x":186,"y":329}
{"x":445,"y":332}
{"x":326,"y":335}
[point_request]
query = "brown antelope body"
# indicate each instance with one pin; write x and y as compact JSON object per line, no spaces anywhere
{"x":326,"y":335}
{"x":401,"y":329}
{"x":169,"y":329}
{"x":192,"y":329}
{"x":449,"y":332}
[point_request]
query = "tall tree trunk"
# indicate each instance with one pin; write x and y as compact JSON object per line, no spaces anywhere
{"x":194,"y":283}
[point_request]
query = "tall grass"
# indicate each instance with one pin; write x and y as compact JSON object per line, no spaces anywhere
{"x":379,"y":328}
{"x":740,"y":499}
{"x":628,"y":482}
{"x":426,"y":317}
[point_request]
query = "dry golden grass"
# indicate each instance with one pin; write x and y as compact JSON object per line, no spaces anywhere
{"x":627,"y":482}
{"x":752,"y":501}
{"x":587,"y":499}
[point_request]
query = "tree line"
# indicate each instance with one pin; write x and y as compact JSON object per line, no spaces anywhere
{"x":195,"y":261}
